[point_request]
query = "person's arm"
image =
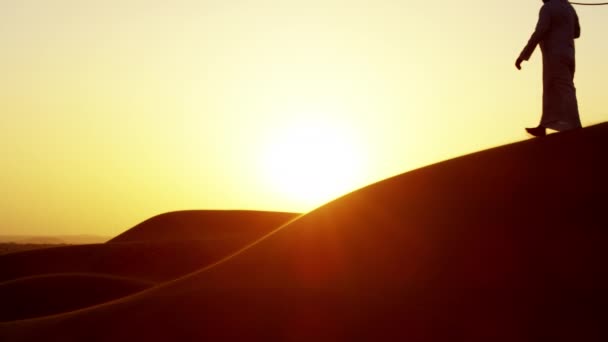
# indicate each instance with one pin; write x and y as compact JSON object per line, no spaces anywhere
{"x":542,"y":28}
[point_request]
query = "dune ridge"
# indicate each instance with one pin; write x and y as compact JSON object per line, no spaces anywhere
{"x":505,"y":244}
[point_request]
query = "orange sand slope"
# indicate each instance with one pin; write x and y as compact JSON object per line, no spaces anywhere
{"x":507,"y":244}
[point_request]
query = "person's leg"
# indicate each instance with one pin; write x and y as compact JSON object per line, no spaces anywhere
{"x":570,"y":100}
{"x":540,"y":130}
{"x":560,"y":107}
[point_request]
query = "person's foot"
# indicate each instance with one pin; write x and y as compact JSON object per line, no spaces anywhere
{"x":537,"y":131}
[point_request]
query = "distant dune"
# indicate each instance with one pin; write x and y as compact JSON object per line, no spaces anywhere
{"x":56,"y":293}
{"x":205,"y":225}
{"x":54,"y":240}
{"x":507,"y":244}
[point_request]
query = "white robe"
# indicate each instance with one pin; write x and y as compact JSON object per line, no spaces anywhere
{"x":556,"y":30}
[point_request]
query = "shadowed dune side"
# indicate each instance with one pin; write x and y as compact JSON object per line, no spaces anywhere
{"x":205,"y":225}
{"x":507,"y":244}
{"x":55,"y":293}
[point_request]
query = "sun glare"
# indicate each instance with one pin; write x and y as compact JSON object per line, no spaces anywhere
{"x":313,"y":162}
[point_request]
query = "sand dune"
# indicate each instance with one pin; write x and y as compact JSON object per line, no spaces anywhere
{"x":55,"y":293}
{"x":162,"y":248}
{"x":205,"y":225}
{"x":507,"y":244}
{"x":59,"y":279}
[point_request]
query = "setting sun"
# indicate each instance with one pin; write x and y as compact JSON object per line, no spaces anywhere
{"x":312,"y":162}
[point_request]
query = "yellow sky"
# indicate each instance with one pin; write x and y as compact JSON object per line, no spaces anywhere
{"x":114,"y":111}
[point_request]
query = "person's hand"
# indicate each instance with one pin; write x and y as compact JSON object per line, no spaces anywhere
{"x":518,"y":63}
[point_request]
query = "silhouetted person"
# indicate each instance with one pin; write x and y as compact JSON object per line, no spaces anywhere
{"x":555,"y":32}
